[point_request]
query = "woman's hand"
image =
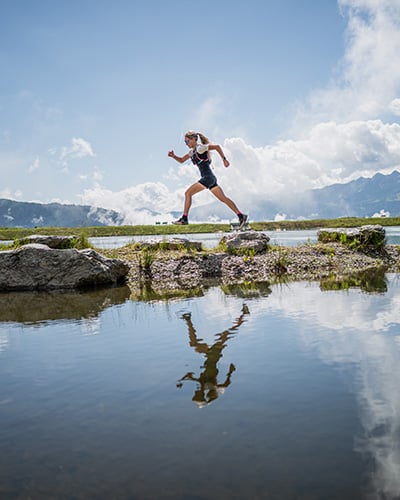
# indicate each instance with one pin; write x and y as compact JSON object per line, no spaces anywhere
{"x":226,"y":163}
{"x":179,"y":159}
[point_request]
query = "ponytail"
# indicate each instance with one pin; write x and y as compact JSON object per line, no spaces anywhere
{"x":203,"y":138}
{"x":197,"y":135}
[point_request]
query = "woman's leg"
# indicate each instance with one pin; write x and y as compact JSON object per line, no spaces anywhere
{"x":189,"y":193}
{"x":217,"y":191}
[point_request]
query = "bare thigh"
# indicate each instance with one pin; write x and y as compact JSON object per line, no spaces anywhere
{"x":194,"y":188}
{"x":218,"y":192}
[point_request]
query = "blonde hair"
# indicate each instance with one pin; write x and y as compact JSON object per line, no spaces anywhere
{"x":197,"y":135}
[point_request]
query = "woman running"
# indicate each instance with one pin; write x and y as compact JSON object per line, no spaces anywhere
{"x":199,"y":154}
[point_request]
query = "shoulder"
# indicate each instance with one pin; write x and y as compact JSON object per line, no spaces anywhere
{"x":202,"y":148}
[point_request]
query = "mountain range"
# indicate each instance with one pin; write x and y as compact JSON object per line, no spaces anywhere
{"x":28,"y":214}
{"x":363,"y":197}
{"x":359,"y":198}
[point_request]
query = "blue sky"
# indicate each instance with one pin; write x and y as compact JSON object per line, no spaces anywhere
{"x":93,"y":94}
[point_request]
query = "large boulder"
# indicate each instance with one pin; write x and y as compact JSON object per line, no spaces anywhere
{"x":38,"y":267}
{"x":241,"y":242}
{"x":52,"y":241}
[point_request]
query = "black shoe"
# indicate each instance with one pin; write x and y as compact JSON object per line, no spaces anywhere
{"x":242,"y":220}
{"x":181,"y":222}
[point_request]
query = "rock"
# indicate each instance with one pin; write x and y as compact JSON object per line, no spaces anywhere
{"x":49,"y":240}
{"x":359,"y":238}
{"x":171,"y":244}
{"x":246,"y":241}
{"x":38,"y":267}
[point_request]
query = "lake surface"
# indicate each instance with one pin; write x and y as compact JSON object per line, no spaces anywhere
{"x":246,"y":392}
{"x":211,"y":240}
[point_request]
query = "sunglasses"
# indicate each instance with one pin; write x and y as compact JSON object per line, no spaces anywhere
{"x":187,"y":139}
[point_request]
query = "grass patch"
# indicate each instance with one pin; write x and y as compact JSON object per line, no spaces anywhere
{"x":167,"y":229}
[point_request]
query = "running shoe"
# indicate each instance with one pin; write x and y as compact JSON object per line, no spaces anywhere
{"x":181,"y":221}
{"x":242,"y":220}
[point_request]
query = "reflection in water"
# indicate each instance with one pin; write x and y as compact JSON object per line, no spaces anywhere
{"x":147,"y":293}
{"x":313,"y":411}
{"x":371,"y":281}
{"x":208,"y":388}
{"x":364,"y":332}
{"x":38,"y":306}
{"x":248,"y":290}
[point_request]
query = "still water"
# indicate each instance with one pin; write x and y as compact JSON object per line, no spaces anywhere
{"x":211,"y":240}
{"x":261,"y":392}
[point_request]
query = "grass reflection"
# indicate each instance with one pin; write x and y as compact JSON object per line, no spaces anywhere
{"x":146,"y":293}
{"x":371,"y":281}
{"x":248,"y":290}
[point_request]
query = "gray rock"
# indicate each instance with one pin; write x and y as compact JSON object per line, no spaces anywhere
{"x":171,"y":244}
{"x":243,"y":241}
{"x":49,"y":240}
{"x":38,"y":267}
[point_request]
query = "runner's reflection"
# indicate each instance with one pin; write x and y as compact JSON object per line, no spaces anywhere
{"x":208,"y":389}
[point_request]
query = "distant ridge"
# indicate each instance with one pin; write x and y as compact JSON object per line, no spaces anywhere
{"x":363,"y":197}
{"x":29,"y":214}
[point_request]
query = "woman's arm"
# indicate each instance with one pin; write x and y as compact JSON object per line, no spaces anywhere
{"x":180,"y":159}
{"x":217,"y":147}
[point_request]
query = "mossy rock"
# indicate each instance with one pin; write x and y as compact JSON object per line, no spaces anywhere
{"x":363,"y":238}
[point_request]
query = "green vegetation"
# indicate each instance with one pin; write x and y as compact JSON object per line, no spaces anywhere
{"x":370,"y":281}
{"x":361,"y":242}
{"x":148,"y":294}
{"x":146,"y":258}
{"x":321,"y":223}
{"x":167,"y":229}
{"x":79,"y":242}
{"x":281,"y":263}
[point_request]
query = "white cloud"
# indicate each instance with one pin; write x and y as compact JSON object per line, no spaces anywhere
{"x":4,"y":340}
{"x":358,"y":340}
{"x":369,"y":73}
{"x":96,"y":176}
{"x":136,"y":203}
{"x":341,"y":132}
{"x":34,"y":166}
{"x":381,"y":213}
{"x":329,"y":153}
{"x":206,"y":114}
{"x":9,"y":194}
{"x":394,"y":107}
{"x":79,"y":148}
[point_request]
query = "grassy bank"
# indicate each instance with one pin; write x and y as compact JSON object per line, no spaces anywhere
{"x":14,"y":233}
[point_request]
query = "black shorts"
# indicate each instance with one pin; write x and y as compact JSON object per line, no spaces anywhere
{"x":209,"y":181}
